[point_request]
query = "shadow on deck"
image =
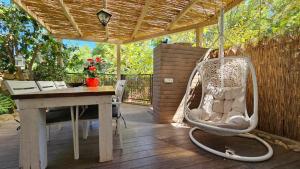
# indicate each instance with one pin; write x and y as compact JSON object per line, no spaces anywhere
{"x":146,"y":145}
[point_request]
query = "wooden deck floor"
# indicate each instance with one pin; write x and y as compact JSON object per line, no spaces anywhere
{"x":146,"y":145}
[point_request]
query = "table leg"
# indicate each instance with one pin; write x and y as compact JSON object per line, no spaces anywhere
{"x":33,"y":142}
{"x":105,"y":130}
{"x":75,"y":131}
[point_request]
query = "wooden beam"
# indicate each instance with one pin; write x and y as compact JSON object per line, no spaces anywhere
{"x":199,"y":36}
{"x":181,"y":14}
{"x":218,"y":3}
{"x":227,"y":7}
{"x":204,"y":23}
{"x":69,"y":16}
{"x":141,"y":17}
{"x":106,"y":27}
{"x":31,"y":14}
{"x":118,"y":57}
{"x":231,"y":5}
{"x":90,"y":39}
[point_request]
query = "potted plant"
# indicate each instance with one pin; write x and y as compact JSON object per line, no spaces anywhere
{"x":91,"y":70}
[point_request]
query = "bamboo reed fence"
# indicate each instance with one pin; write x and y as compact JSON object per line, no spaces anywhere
{"x":277,"y":64}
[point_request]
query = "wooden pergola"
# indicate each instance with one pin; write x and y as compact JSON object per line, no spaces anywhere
{"x":132,"y":20}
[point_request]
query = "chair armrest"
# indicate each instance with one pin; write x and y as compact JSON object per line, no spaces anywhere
{"x":116,"y":103}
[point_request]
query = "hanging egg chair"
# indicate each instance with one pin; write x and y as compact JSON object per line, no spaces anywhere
{"x":222,"y":109}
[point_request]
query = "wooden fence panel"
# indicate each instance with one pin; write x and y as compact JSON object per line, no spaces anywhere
{"x":277,"y":64}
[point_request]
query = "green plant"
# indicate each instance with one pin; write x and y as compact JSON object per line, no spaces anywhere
{"x":6,"y":104}
{"x":20,"y":35}
{"x":92,"y":68}
{"x":49,"y":72}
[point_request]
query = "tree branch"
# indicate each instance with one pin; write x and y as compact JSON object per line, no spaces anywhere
{"x":34,"y":55}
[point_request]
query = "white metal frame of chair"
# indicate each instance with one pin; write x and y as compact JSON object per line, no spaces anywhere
{"x":21,"y":87}
{"x":228,"y":131}
{"x":120,"y":88}
{"x":117,"y":100}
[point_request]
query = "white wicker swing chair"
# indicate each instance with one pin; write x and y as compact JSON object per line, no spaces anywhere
{"x":223,"y":78}
{"x":222,"y":109}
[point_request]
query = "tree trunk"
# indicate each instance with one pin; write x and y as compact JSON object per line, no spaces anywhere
{"x":34,"y":56}
{"x":19,"y":73}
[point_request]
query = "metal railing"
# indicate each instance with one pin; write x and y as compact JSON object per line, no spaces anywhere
{"x":138,"y":88}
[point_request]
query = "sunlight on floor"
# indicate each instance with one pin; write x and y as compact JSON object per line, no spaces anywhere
{"x":180,"y":125}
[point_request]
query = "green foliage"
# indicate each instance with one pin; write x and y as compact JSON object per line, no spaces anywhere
{"x":106,"y":53}
{"x":137,"y":58}
{"x":21,"y":35}
{"x":79,"y":57}
{"x":94,"y":67}
{"x":49,"y":72}
{"x":6,"y":104}
{"x":256,"y":19}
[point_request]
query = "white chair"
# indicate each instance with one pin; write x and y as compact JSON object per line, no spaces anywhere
{"x":21,"y":87}
{"x":54,"y":116}
{"x":222,"y":110}
{"x":46,"y":85}
{"x":60,"y":84}
{"x":91,"y":113}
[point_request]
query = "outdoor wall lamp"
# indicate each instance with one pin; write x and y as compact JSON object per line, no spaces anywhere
{"x":104,"y":17}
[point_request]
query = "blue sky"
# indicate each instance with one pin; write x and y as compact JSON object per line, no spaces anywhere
{"x":79,"y":43}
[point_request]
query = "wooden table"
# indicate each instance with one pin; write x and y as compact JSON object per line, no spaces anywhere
{"x":33,"y":143}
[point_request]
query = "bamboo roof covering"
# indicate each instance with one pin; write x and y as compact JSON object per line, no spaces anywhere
{"x":132,"y":20}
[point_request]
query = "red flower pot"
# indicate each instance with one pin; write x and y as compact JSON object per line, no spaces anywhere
{"x":92,"y":82}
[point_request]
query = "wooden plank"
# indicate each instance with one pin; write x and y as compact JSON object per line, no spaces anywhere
{"x":119,"y":29}
{"x":294,"y":164}
{"x":181,"y":14}
{"x":209,"y":21}
{"x":68,"y":92}
{"x":69,"y":16}
{"x":146,"y":145}
{"x":90,"y":39}
{"x":177,"y":30}
{"x":141,"y":17}
{"x":227,"y":8}
{"x":32,"y":14}
{"x":106,"y":27}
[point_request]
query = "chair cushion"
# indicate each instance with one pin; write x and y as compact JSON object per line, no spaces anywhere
{"x":234,"y":122}
{"x":224,"y":107}
{"x":57,"y":108}
{"x":232,"y":92}
{"x":92,"y":112}
{"x":218,"y":106}
{"x":227,"y":106}
{"x":55,"y":116}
